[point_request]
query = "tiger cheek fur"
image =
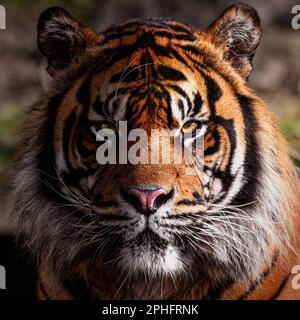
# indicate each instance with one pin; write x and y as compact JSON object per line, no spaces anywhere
{"x":150,"y":230}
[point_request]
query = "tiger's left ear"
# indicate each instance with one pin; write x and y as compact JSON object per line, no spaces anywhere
{"x":61,"y":38}
{"x":238,"y":32}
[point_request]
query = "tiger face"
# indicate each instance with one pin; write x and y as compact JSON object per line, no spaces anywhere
{"x":153,"y":218}
{"x":145,"y":203}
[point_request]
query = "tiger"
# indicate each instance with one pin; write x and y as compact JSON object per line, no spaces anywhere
{"x":230,"y":231}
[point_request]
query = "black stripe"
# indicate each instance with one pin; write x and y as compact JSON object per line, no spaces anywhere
{"x":181,"y":108}
{"x":226,"y":176}
{"x":84,"y":97}
{"x":121,"y":53}
{"x":281,"y":287}
{"x":198,"y":197}
{"x":76,"y":287}
{"x":193,"y":49}
{"x":214,"y":92}
{"x":216,"y":292}
{"x":179,"y":90}
{"x":120,"y":35}
{"x":67,"y":131}
{"x":259,"y":280}
{"x":216,"y":145}
{"x":197,"y":105}
{"x":179,"y":27}
{"x":179,"y":57}
{"x":162,"y":23}
{"x":183,"y":94}
{"x":162,"y":51}
{"x":177,"y":36}
{"x":167,"y":97}
{"x":103,"y":204}
{"x":83,"y":94}
{"x":187,"y":202}
{"x":168,"y":73}
{"x":252,"y":167}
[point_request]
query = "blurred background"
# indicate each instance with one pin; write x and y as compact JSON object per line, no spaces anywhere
{"x":276,"y":76}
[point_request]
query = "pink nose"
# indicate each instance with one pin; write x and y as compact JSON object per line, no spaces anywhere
{"x":147,"y":199}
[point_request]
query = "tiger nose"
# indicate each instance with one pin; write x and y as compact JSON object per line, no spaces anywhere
{"x":147,"y":201}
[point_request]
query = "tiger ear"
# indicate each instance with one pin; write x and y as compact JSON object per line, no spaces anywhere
{"x":238,"y":32}
{"x":61,"y":38}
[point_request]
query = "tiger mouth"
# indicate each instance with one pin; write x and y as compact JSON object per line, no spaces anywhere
{"x":149,"y":254}
{"x":148,"y":237}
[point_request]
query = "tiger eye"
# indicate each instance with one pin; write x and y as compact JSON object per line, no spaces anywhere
{"x":105,"y":125}
{"x":191,"y":126}
{"x":102,"y":126}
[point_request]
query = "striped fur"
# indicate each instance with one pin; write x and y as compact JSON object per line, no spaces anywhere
{"x":229,"y":232}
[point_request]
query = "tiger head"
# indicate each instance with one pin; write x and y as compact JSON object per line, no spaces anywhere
{"x":223,"y":221}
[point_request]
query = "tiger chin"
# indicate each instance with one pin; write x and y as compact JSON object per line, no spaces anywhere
{"x":149,"y":230}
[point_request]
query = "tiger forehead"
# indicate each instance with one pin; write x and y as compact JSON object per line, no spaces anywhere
{"x":146,"y":63}
{"x":146,"y":31}
{"x":149,"y":41}
{"x":149,"y":89}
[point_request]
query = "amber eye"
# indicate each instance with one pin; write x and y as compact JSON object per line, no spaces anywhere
{"x":106,"y":125}
{"x":96,"y":126}
{"x":191,"y":126}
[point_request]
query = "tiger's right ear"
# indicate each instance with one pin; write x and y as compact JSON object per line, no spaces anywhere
{"x":61,"y":38}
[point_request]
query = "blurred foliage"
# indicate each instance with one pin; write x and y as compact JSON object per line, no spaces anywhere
{"x":10,"y":119}
{"x":79,"y":7}
{"x":287,"y":110}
